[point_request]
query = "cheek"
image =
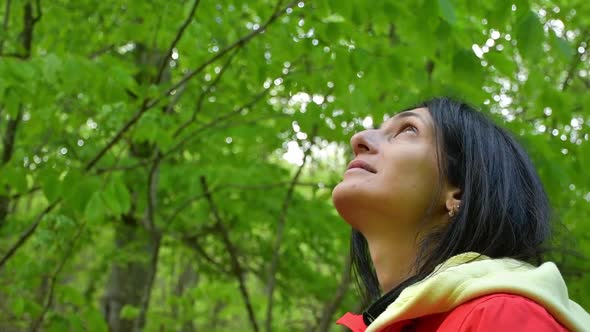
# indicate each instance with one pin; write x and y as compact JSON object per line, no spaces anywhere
{"x":411,"y":179}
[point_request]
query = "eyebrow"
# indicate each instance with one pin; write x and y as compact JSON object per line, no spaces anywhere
{"x":402,"y":115}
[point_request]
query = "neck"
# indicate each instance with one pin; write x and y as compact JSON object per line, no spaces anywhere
{"x":393,"y":256}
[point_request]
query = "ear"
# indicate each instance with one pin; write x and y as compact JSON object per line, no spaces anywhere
{"x":452,"y":198}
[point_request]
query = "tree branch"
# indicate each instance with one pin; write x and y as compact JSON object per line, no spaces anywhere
{"x":30,"y":191}
{"x":148,"y":104}
{"x":29,"y":24}
{"x":8,"y":149}
{"x":280,"y":232}
{"x":179,"y":34}
{"x":193,"y":243}
{"x":10,"y":135}
{"x":27,"y":233}
{"x":235,"y":264}
{"x":239,"y":43}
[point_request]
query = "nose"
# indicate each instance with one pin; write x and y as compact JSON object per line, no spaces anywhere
{"x":362,"y":142}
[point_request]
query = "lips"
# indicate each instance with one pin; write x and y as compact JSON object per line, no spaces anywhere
{"x":357,"y":163}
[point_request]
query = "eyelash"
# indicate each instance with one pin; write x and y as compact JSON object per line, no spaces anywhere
{"x":404,"y":128}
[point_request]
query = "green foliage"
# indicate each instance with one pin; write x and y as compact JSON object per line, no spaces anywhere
{"x":119,"y":149}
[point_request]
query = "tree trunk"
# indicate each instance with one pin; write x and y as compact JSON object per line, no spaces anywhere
{"x":130,"y":280}
{"x":188,"y":278}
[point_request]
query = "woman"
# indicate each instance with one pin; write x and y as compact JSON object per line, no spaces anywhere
{"x":449,"y":223}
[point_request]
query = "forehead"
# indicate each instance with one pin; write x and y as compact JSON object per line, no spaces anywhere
{"x":421,"y":113}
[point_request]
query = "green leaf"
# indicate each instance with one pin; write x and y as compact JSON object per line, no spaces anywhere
{"x":18,"y":306}
{"x":13,"y":102}
{"x":77,"y":189}
{"x":467,"y":67}
{"x":14,"y":177}
{"x":529,"y":36}
{"x":129,"y":312}
{"x":58,"y":323}
{"x":500,"y":60}
{"x":50,"y":184}
{"x":94,"y":320}
{"x":21,"y":71}
{"x":333,"y":18}
{"x":447,"y":11}
{"x":500,"y":13}
{"x":95,"y":209}
{"x":51,"y":66}
{"x":75,"y":322}
{"x":116,"y":196}
{"x":564,"y":48}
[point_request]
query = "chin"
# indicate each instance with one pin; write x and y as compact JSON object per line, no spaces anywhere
{"x":350,"y":200}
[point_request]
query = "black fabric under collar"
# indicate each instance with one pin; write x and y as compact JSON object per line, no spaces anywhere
{"x":379,"y":306}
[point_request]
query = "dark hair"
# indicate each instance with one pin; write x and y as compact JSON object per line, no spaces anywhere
{"x":504,"y":208}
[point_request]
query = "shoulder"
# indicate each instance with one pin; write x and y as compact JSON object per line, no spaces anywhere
{"x":500,"y":311}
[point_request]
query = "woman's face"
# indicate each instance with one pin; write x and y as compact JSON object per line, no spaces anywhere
{"x":393,"y":178}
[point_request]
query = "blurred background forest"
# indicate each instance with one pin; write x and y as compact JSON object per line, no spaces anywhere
{"x":168,"y":165}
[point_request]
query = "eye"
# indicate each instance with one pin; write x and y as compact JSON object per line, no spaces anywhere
{"x":405,"y":128}
{"x":408,"y":128}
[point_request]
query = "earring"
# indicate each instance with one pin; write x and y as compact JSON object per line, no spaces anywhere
{"x":452,"y":211}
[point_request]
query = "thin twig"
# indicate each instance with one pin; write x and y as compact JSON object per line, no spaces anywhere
{"x":239,"y":43}
{"x":179,"y":34}
{"x":101,"y":51}
{"x":280,"y":232}
{"x":28,"y":192}
{"x":204,"y":94}
{"x":177,"y":94}
{"x":145,"y":106}
{"x":5,"y":23}
{"x":142,"y":163}
{"x":152,"y":193}
{"x":27,"y":233}
{"x":193,"y":243}
{"x":230,"y":186}
{"x":574,"y":65}
{"x":194,"y":134}
{"x":235,"y":264}
{"x":53,"y":281}
{"x":256,"y":121}
{"x":332,"y":305}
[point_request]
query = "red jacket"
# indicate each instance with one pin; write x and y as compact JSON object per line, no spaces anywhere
{"x":472,"y":292}
{"x":496,"y":312}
